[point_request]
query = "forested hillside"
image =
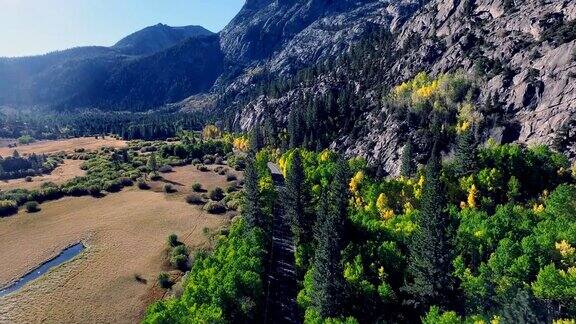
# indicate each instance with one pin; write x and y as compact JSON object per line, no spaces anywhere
{"x":484,"y":236}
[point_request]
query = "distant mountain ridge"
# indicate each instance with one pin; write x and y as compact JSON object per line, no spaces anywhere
{"x":156,"y":38}
{"x":109,"y":77}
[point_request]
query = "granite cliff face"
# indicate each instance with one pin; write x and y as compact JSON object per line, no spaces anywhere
{"x":522,"y":54}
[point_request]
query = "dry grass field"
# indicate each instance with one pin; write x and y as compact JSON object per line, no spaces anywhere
{"x":183,"y":177}
{"x":67,"y":145}
{"x":63,"y":173}
{"x":124,"y":234}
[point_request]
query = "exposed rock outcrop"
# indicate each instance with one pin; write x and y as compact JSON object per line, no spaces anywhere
{"x":521,"y":53}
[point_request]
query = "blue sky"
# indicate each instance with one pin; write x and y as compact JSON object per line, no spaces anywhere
{"x":29,"y":27}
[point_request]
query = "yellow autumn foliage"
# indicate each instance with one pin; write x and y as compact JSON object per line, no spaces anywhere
{"x":356,"y":181}
{"x":382,"y":205}
{"x":325,"y":156}
{"x":408,"y":208}
{"x":283,"y":164}
{"x":538,"y":208}
{"x":472,"y":194}
{"x":211,"y":132}
{"x":564,"y":321}
{"x":565,"y":249}
{"x":463,"y":126}
{"x":426,"y":92}
{"x":240,"y":143}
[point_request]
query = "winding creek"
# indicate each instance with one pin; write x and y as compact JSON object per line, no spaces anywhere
{"x":66,"y":255}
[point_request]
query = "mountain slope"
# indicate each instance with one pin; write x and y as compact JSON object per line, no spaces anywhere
{"x":520,"y":56}
{"x":147,"y":69}
{"x":156,"y":38}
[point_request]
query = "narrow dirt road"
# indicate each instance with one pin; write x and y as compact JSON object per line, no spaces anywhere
{"x":281,"y":279}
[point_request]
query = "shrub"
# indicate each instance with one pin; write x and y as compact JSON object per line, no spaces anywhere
{"x":168,"y":188}
{"x":26,"y":139}
{"x":32,"y":207}
{"x":126,"y":182}
{"x":28,"y":179}
{"x":217,"y":194}
{"x":142,"y":185}
{"x":8,"y":207}
{"x":231,"y":177}
{"x":215,"y":207}
{"x":231,"y":188}
{"x":154,"y":176}
{"x":197,"y":187}
{"x":165,"y":169}
{"x":164,"y":280}
{"x":179,"y":262}
{"x":173,"y":240}
{"x":180,"y":250}
{"x":209,"y":159}
{"x":194,"y":199}
{"x":113,"y":186}
{"x":202,"y":168}
{"x":95,"y":191}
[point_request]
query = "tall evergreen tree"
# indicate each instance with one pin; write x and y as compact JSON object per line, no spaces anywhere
{"x":295,"y":128}
{"x":430,"y":261}
{"x":465,"y":152}
{"x":408,"y":167}
{"x":252,"y":209}
{"x":256,"y":140}
{"x":297,"y":199}
{"x":521,"y":308}
{"x":270,"y":131}
{"x":329,"y":285}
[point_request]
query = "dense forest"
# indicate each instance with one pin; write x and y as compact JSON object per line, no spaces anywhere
{"x":146,"y":126}
{"x":479,"y":233}
{"x":15,"y":166}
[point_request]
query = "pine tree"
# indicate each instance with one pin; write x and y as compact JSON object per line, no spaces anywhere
{"x":252,"y":209}
{"x":297,"y":200}
{"x":295,"y":128}
{"x":430,"y":261}
{"x":521,"y":308}
{"x":329,"y":284}
{"x":270,"y":131}
{"x":256,"y":140}
{"x":408,"y":168}
{"x":465,"y":153}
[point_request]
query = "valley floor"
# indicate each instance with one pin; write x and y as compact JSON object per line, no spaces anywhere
{"x":65,"y":145}
{"x":125,"y":235}
{"x":63,"y":173}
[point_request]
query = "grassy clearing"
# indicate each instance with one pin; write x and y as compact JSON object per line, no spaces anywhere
{"x":62,"y":174}
{"x":67,"y":145}
{"x":100,"y":285}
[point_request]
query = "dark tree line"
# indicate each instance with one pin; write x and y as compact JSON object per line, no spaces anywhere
{"x":147,"y":126}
